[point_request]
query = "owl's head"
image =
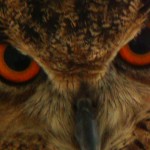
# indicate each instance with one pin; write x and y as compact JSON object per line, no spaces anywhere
{"x":86,"y":49}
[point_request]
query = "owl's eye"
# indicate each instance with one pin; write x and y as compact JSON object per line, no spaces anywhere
{"x":137,"y":52}
{"x":16,"y":67}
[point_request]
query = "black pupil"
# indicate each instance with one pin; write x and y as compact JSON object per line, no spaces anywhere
{"x":16,"y":60}
{"x":141,"y":44}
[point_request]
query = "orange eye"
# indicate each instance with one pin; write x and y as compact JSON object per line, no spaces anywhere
{"x":137,"y":52}
{"x":16,"y":67}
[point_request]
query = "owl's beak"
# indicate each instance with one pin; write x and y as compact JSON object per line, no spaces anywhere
{"x":86,"y":132}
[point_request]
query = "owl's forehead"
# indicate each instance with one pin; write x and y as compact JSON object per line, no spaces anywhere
{"x":37,"y":18}
{"x":67,"y":22}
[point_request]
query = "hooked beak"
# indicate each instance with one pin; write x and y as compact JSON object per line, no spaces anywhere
{"x":86,"y":132}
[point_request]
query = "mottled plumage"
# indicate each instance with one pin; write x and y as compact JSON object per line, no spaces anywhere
{"x":76,"y":43}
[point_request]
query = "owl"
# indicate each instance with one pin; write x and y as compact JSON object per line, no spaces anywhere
{"x":74,"y":74}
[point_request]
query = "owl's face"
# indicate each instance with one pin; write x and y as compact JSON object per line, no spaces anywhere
{"x":85,"y":89}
